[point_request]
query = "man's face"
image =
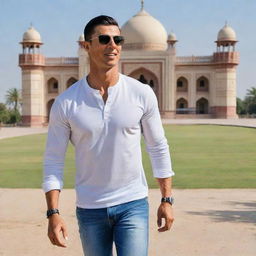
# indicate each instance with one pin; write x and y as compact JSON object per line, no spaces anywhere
{"x":104,"y":56}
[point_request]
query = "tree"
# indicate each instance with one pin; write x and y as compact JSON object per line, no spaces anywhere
{"x":240,"y":107}
{"x":14,"y":117}
{"x":250,"y":101}
{"x":4,"y":113}
{"x":13,"y":98}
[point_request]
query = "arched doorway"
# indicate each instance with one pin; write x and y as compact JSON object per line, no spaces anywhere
{"x":49,"y":106}
{"x":52,"y":85}
{"x":182,"y":84}
{"x":146,"y":77}
{"x":202,"y":84}
{"x":70,"y":81}
{"x":181,"y":106}
{"x":202,"y":106}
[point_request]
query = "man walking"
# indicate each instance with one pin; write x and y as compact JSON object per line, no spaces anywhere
{"x":104,"y":115}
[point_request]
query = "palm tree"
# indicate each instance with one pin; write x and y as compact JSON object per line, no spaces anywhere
{"x":251,"y":93}
{"x":250,"y":101}
{"x":13,"y":98}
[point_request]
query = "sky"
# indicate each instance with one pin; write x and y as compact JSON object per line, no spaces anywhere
{"x":60,"y":22}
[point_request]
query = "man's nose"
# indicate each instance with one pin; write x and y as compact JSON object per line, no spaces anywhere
{"x":111,"y":42}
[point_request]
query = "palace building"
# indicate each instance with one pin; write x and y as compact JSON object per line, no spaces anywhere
{"x":186,"y":86}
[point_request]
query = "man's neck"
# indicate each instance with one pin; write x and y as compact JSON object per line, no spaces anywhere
{"x":101,"y":80}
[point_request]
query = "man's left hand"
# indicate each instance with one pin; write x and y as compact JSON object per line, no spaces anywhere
{"x":165,"y":211}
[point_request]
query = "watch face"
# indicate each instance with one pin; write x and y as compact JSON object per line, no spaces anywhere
{"x":168,"y":200}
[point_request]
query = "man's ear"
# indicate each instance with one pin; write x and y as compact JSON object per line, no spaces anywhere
{"x":86,"y":45}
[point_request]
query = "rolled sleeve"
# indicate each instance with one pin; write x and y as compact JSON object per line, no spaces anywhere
{"x":155,"y":140}
{"x":56,"y":146}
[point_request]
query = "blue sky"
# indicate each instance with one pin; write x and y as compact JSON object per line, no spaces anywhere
{"x":60,"y":22}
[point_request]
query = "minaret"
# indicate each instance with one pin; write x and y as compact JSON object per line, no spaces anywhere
{"x":32,"y":63}
{"x":226,"y":60}
{"x":83,"y":58}
{"x":142,"y":5}
{"x":170,"y":88}
{"x":172,"y":40}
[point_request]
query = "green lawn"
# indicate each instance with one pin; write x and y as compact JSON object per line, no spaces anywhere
{"x":203,"y":156}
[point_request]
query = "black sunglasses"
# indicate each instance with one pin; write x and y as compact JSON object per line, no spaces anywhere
{"x":105,"y":39}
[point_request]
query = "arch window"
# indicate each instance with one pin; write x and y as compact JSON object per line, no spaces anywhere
{"x":71,"y":81}
{"x":181,"y":106}
{"x":151,"y":83}
{"x":143,"y":79}
{"x":146,"y":77}
{"x":52,"y":85}
{"x":202,"y":84}
{"x":182,"y":84}
{"x":202,"y":106}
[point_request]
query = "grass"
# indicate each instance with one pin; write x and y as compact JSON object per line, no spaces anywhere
{"x":203,"y":156}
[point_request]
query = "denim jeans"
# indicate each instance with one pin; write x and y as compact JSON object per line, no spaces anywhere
{"x":125,"y":224}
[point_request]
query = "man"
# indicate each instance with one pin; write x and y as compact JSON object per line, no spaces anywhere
{"x":104,"y":115}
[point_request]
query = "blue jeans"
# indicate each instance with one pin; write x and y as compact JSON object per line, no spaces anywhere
{"x":125,"y":224}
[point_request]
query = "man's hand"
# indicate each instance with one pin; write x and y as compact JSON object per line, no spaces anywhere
{"x":56,"y":226}
{"x":165,"y":211}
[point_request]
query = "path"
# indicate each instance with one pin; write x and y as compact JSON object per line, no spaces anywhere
{"x":7,"y":132}
{"x":208,"y":222}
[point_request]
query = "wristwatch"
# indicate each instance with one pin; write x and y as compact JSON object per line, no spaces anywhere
{"x":169,"y":200}
{"x":51,"y":212}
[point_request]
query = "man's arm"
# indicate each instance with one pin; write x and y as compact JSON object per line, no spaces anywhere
{"x":56,"y":225}
{"x":165,"y":210}
{"x":158,"y":149}
{"x":57,"y":142}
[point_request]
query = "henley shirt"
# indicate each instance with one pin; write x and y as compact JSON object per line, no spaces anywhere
{"x":107,"y":141}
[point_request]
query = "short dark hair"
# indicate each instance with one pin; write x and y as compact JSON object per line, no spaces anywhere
{"x":99,"y":20}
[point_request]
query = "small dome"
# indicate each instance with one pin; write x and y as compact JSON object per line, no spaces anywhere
{"x":227,"y":34}
{"x":172,"y":37}
{"x":144,"y":32}
{"x":31,"y":36}
{"x":81,"y":38}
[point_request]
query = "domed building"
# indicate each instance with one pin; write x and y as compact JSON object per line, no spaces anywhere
{"x":186,"y":87}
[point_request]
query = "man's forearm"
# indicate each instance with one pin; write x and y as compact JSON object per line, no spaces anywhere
{"x":52,"y":199}
{"x":165,"y":186}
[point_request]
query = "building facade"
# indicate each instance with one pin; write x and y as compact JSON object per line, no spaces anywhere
{"x":186,"y":87}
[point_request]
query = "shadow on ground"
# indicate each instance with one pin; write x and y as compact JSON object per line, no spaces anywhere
{"x":246,"y":215}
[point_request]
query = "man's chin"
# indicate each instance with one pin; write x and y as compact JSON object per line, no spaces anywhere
{"x":111,"y":64}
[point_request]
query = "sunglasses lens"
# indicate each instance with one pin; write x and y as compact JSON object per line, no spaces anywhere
{"x":104,"y":39}
{"x":119,"y":40}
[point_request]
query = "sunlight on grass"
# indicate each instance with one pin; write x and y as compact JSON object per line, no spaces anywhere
{"x":203,"y":156}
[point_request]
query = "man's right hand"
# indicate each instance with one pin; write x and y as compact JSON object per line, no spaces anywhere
{"x":56,"y":230}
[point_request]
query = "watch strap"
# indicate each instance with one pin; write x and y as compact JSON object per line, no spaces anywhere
{"x":169,"y":200}
{"x":50,"y":212}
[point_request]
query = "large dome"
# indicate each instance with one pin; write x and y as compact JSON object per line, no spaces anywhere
{"x":31,"y":36}
{"x":144,"y":32}
{"x":227,"y":34}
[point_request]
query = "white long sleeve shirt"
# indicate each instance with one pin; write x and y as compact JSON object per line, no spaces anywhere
{"x":106,"y":137}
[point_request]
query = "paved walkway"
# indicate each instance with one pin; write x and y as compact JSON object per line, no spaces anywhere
{"x":208,"y":222}
{"x":7,"y":132}
{"x":232,"y":122}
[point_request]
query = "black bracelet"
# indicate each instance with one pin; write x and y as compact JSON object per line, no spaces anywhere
{"x":169,"y":200}
{"x":51,"y":212}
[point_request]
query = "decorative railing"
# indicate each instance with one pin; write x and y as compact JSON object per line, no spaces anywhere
{"x":185,"y":110}
{"x":226,"y":57}
{"x":216,"y":58}
{"x":31,"y":59}
{"x":194,"y":59}
{"x":61,"y":61}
